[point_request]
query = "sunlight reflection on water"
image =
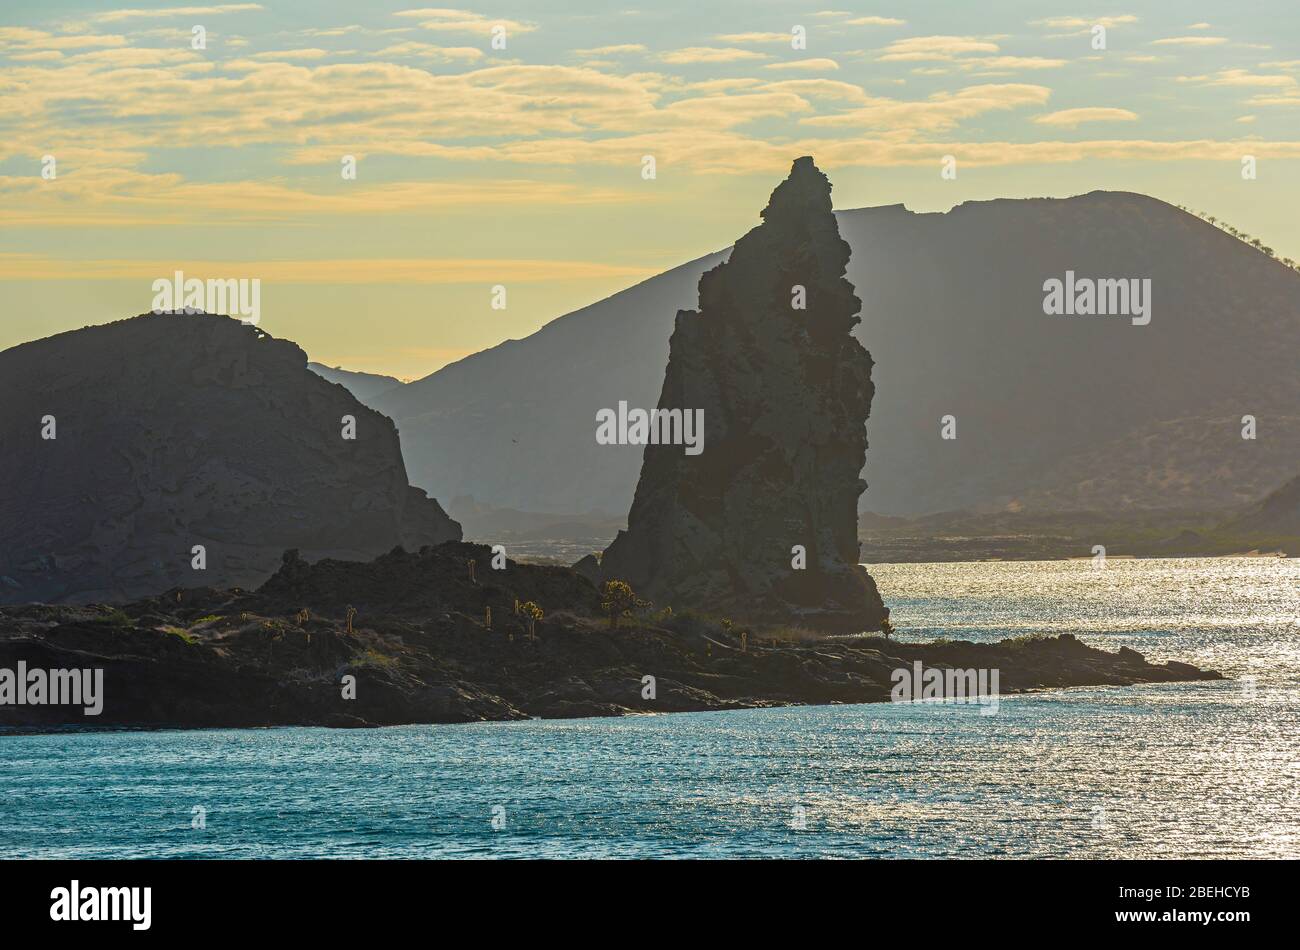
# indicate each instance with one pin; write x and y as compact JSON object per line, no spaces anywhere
{"x":1175,"y":770}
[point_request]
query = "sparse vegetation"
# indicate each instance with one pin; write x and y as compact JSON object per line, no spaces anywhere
{"x":182,"y":633}
{"x":533,"y":613}
{"x":619,"y":601}
{"x":374,"y":658}
{"x":1242,"y":236}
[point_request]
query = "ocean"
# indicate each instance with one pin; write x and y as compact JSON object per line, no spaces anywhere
{"x":1192,"y":770}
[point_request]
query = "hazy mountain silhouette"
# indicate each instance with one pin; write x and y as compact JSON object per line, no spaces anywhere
{"x":179,"y":430}
{"x":365,"y":386}
{"x":1053,"y":412}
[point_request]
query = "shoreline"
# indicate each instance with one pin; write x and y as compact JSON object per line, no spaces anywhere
{"x":7,"y":732}
{"x":417,"y":639}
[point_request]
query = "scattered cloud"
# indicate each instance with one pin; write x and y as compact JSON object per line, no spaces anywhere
{"x":617,"y":49}
{"x":1242,"y":77}
{"x":1071,"y":118}
{"x":809,"y":65}
{"x":920,"y":48}
{"x":708,"y":54}
{"x":441,"y":54}
{"x":113,"y":16}
{"x":1081,"y":26}
{"x":939,"y":112}
{"x":1010,"y":63}
{"x":753,"y":37}
{"x":1190,"y":41}
{"x":341,"y":271}
{"x":463,"y":21}
{"x":294,"y":54}
{"x":21,"y":38}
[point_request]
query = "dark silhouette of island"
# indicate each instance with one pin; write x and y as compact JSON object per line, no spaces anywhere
{"x":176,"y":431}
{"x":761,"y":524}
{"x":1053,"y":413}
{"x":424,"y":639}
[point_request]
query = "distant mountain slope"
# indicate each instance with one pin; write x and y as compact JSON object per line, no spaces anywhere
{"x":1052,"y":412}
{"x":521,"y":416}
{"x":1278,"y":512}
{"x":172,"y":431}
{"x":365,"y":386}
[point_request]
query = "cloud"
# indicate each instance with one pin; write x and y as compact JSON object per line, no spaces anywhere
{"x":616,"y":50}
{"x":463,"y":21}
{"x":113,"y":196}
{"x":753,"y":37}
{"x":1290,"y":98}
{"x":919,"y":48}
{"x":292,"y":54}
{"x":1010,"y":63}
{"x":441,"y":54}
{"x":810,"y":65}
{"x":875,"y":21}
{"x":21,"y":38}
{"x":1190,"y":41}
{"x":1242,"y":78}
{"x":939,"y":112}
{"x":1083,"y":24}
{"x":340,"y":271}
{"x":113,"y":16}
{"x":1071,"y":118}
{"x":708,"y":54}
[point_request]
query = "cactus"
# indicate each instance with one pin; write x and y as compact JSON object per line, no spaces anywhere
{"x":352,"y":612}
{"x":487,"y":617}
{"x":619,"y":601}
{"x":534,"y":614}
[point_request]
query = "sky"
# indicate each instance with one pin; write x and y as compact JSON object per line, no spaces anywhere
{"x":479,"y":166}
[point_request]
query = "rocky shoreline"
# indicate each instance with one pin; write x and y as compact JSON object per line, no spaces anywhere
{"x":422,"y":648}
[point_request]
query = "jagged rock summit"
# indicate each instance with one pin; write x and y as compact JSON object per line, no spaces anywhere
{"x":125,"y":446}
{"x":762,"y":524}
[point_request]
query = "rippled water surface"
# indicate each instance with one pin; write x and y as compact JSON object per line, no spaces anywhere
{"x":1184,"y":770}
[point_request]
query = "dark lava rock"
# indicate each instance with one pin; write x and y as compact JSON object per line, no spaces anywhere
{"x":416,"y":646}
{"x":785,"y":394}
{"x":176,"y":430}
